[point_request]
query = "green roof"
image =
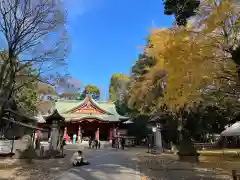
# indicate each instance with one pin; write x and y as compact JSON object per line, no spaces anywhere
{"x":65,"y":106}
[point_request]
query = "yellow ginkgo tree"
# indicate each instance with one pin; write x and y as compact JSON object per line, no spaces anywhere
{"x":192,"y":58}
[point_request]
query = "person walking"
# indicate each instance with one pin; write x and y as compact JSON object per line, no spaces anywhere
{"x":96,"y":144}
{"x":99,"y":144}
{"x":93,"y":144}
{"x":123,"y":142}
{"x":118,"y":142}
{"x":74,"y":138}
{"x":113,"y":143}
{"x":90,"y":142}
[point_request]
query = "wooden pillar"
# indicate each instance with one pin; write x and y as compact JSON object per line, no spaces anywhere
{"x":79,"y":134}
{"x":97,"y":134}
{"x":114,"y":132}
{"x":65,"y":135}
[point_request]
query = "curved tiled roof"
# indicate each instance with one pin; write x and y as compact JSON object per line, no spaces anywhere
{"x":65,"y":106}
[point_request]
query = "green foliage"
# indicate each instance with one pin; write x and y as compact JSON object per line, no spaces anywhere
{"x":203,"y":119}
{"x":182,"y":10}
{"x":26,"y":92}
{"x":139,"y":127}
{"x":142,"y":65}
{"x":139,"y":70}
{"x":91,"y":90}
{"x":27,"y":98}
{"x":118,"y":86}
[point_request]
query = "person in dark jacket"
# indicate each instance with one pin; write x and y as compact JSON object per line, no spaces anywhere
{"x":96,"y":144}
{"x":90,"y":142}
{"x":123,"y":142}
{"x":99,"y":144}
{"x":113,"y":143}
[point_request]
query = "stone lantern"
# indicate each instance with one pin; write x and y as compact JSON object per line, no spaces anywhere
{"x":55,"y":121}
{"x":156,"y":124}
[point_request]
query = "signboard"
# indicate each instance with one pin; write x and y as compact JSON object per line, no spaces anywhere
{"x":5,"y":146}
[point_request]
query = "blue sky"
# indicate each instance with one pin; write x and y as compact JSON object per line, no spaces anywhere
{"x":106,"y":36}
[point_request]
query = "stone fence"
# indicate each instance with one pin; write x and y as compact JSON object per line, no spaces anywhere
{"x":201,"y":146}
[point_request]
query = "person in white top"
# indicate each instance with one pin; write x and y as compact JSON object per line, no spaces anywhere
{"x":78,"y":160}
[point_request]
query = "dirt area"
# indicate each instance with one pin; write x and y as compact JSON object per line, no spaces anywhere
{"x":220,"y":152}
{"x":168,"y":167}
{"x":45,"y":169}
{"x":39,"y":169}
{"x":227,"y":163}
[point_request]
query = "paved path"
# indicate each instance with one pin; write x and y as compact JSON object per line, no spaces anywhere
{"x":106,"y":164}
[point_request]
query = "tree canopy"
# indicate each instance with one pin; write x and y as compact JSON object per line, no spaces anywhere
{"x":188,"y":60}
{"x":91,"y":90}
{"x":182,"y":10}
{"x":29,"y":35}
{"x":117,"y":87}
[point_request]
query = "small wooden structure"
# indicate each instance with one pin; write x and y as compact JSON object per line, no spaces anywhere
{"x":55,"y":123}
{"x":17,"y":128}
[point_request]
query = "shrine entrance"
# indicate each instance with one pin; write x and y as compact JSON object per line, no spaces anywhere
{"x":89,"y":129}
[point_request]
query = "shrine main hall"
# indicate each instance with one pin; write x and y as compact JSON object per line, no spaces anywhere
{"x":85,"y":118}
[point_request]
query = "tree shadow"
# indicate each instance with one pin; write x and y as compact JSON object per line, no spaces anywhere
{"x":170,"y":168}
{"x":45,"y":168}
{"x":127,"y":165}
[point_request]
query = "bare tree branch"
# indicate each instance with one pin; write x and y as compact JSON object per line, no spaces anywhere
{"x":32,"y":29}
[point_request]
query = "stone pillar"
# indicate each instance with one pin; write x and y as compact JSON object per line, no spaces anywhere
{"x":54,"y":136}
{"x":158,"y":139}
{"x":79,"y":134}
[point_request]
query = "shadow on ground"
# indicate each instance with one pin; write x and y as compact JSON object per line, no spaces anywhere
{"x":125,"y":165}
{"x":46,"y":168}
{"x":122,"y":165}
